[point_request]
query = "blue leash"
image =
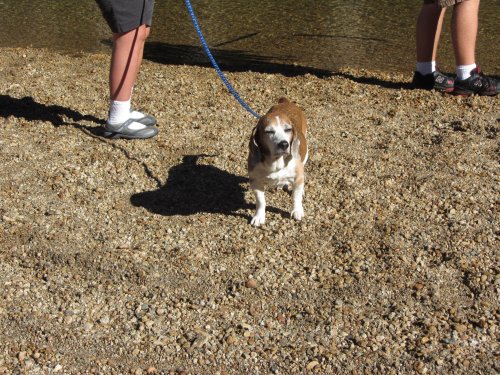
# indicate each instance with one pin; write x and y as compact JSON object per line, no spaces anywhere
{"x":214,"y":63}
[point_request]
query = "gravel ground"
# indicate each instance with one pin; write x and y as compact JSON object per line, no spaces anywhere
{"x":138,"y":257}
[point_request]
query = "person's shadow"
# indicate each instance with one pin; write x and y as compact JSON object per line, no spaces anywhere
{"x":58,"y":116}
{"x":31,"y":110}
{"x":193,"y":188}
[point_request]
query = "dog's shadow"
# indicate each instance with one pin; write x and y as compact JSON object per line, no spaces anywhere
{"x":193,"y":188}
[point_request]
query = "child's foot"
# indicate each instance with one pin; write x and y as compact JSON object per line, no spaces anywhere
{"x":478,"y":84}
{"x":130,"y":129}
{"x":433,"y":81}
{"x":147,"y":120}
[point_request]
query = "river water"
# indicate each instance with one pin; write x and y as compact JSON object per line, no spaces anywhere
{"x":256,"y":35}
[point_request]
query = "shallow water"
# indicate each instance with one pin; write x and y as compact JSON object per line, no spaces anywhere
{"x":257,"y":35}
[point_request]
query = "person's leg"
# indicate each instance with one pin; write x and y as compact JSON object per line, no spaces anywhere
{"x":429,"y":25}
{"x":141,"y":52}
{"x":126,"y":58}
{"x":464,"y":25}
{"x":470,"y":79}
{"x":130,"y":21}
{"x":149,"y":120}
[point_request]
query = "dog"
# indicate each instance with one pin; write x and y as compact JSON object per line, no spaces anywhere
{"x":277,"y":155}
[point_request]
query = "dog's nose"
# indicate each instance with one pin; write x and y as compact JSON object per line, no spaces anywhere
{"x":283,"y":145}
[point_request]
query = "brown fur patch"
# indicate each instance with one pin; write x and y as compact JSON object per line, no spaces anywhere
{"x":288,"y":112}
{"x":295,"y":115}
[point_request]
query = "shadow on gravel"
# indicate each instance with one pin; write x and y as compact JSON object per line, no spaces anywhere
{"x":376,"y":82}
{"x":241,"y":61}
{"x":228,"y":60}
{"x":193,"y":188}
{"x":31,"y":110}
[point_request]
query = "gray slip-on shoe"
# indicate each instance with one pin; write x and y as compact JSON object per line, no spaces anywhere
{"x":147,"y":120}
{"x":123,"y":131}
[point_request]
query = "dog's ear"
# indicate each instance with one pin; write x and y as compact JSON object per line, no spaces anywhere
{"x":255,"y":153}
{"x":295,"y":146}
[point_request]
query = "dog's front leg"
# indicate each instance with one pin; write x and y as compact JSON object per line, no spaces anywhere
{"x":297,"y":193}
{"x":260,"y":213}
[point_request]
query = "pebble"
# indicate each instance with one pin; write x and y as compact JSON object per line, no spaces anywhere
{"x":231,"y":339}
{"x":418,"y":286}
{"x":251,"y":283}
{"x":269,"y":323}
{"x":312,"y":365}
{"x":281,"y":318}
{"x":21,"y":356}
{"x":380,"y":338}
{"x":104,"y":319}
{"x":254,"y":310}
{"x":460,"y":328}
{"x":425,"y":339}
{"x":161,"y":311}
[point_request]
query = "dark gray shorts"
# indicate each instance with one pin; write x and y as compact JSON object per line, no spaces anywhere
{"x":443,"y":3}
{"x":126,"y":15}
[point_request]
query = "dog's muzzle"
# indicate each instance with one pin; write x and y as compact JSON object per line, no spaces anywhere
{"x":283,"y":145}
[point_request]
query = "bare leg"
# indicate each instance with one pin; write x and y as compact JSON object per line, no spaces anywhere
{"x":126,"y":58}
{"x":128,"y":49}
{"x":429,"y":25}
{"x":470,"y":79}
{"x":141,"y":51}
{"x":464,"y":31}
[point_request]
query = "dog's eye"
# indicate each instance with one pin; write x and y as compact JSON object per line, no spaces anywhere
{"x":288,"y":130}
{"x":269,"y":131}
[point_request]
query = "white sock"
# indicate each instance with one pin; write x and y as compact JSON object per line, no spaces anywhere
{"x":136,"y":115}
{"x":463,"y":71}
{"x":119,"y":112}
{"x":426,"y":67}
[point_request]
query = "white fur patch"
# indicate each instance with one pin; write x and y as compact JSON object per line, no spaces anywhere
{"x":276,"y":174}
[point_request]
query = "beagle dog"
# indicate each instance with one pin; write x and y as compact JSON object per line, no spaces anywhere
{"x":278,"y":152}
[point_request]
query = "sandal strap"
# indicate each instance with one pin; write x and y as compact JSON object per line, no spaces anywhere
{"x":147,"y":120}
{"x":123,"y":130}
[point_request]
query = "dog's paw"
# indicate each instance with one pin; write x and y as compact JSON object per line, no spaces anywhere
{"x":258,"y":219}
{"x":297,"y":213}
